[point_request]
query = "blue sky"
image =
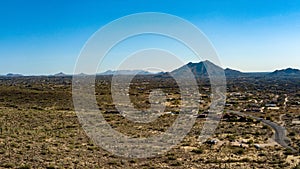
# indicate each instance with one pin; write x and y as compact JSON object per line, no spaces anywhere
{"x":45,"y":37}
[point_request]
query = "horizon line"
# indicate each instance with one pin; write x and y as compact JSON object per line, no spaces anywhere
{"x":150,"y":72}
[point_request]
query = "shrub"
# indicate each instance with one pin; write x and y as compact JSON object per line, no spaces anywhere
{"x":177,"y":163}
{"x":231,"y":137}
{"x":197,"y":151}
{"x":288,"y":152}
{"x":50,"y":167}
{"x":269,"y":118}
{"x":24,"y":167}
{"x":292,"y":134}
{"x":238,"y":151}
{"x":250,"y":142}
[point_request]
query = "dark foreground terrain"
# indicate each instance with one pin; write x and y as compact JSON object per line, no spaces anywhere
{"x":39,"y":128}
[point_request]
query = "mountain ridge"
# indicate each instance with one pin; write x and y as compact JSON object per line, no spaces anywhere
{"x":198,"y":69}
{"x":286,"y":72}
{"x":125,"y":72}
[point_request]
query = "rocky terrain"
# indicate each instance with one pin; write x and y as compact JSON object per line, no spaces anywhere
{"x":39,"y":128}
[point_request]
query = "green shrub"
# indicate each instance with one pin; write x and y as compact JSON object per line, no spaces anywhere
{"x":250,"y":142}
{"x":292,"y":134}
{"x":50,"y":167}
{"x":197,"y":151}
{"x":24,"y":167}
{"x":177,"y":163}
{"x":238,"y":151}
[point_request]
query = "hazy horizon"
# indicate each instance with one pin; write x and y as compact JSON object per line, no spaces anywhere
{"x":150,"y":71}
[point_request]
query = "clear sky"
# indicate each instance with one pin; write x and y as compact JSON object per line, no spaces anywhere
{"x":45,"y":37}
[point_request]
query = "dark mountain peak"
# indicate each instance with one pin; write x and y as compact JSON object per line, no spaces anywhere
{"x":201,"y":63}
{"x":291,"y":70}
{"x":60,"y":74}
{"x":203,"y":68}
{"x":190,"y":63}
{"x":13,"y":75}
{"x":82,"y":74}
{"x":286,"y":72}
{"x":232,"y":72}
{"x":208,"y":62}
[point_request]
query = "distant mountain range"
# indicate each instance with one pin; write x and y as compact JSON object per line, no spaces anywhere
{"x":286,"y":72}
{"x":198,"y":69}
{"x":14,"y":75}
{"x":125,"y":72}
